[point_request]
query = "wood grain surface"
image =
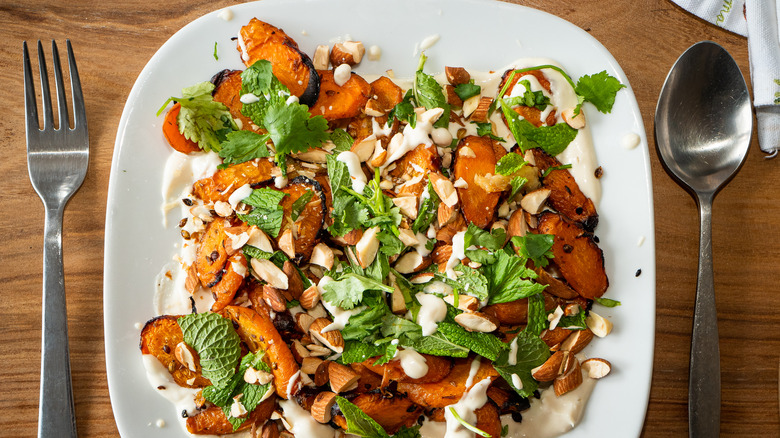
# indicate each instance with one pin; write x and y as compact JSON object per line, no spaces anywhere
{"x":114,"y":40}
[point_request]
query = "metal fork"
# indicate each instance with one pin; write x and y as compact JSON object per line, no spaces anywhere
{"x":57,"y":162}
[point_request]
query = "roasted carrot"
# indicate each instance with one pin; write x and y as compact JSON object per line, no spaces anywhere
{"x":340,"y":102}
{"x":159,"y":337}
{"x":175,"y":138}
{"x":477,"y":205}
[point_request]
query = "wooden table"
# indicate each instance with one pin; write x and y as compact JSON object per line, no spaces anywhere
{"x":114,"y":40}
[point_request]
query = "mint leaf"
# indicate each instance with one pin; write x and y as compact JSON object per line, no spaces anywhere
{"x":599,"y":89}
{"x":357,"y":351}
{"x":509,"y":279}
{"x":259,"y":80}
{"x":267,"y":213}
{"x":535,"y":99}
{"x":358,"y":423}
{"x":408,"y":432}
{"x":552,"y":139}
{"x":429,"y":209}
{"x":241,"y":146}
{"x":517,"y":183}
{"x":429,"y":94}
{"x":342,"y":140}
{"x":251,"y":395}
{"x":510,"y":163}
{"x":216,"y":343}
{"x":537,"y":315}
{"x":606,"y":302}
{"x":438,"y":345}
{"x":493,"y":240}
{"x":347,"y":291}
{"x":574,"y":322}
{"x":531,"y":352}
{"x":404,"y":110}
{"x":537,"y":247}
{"x":468,"y":90}
{"x":483,"y":344}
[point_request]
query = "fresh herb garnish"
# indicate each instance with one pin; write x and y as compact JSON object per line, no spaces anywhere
{"x":202,"y":119}
{"x":267,"y":213}
{"x":216,"y":343}
{"x":429,"y":94}
{"x":241,"y":146}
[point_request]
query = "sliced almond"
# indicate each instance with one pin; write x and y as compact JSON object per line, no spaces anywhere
{"x":192,"y":282}
{"x":364,"y":148}
{"x":549,"y":370}
{"x":379,"y":157}
{"x":304,"y":321}
{"x":480,"y":113}
{"x":457,"y":75}
{"x":407,"y":205}
{"x":310,"y":364}
{"x":237,"y":409}
{"x":373,"y":108}
{"x":321,"y":57}
{"x":596,"y":368}
{"x":470,"y":105}
{"x":257,"y":377}
{"x":367,"y":246}
{"x":310,"y":297}
{"x":313,"y":155}
{"x":533,"y":202}
{"x":444,"y":188}
{"x":476,"y":322}
{"x":294,"y":280}
{"x":576,"y":122}
{"x":466,"y":303}
{"x":321,"y":408}
{"x":342,"y":378}
{"x":570,"y":380}
{"x":319,"y":350}
{"x":398,"y":302}
{"x":408,"y":237}
{"x":422,"y":278}
{"x":300,"y":353}
{"x":274,"y":298}
{"x":331,"y":339}
{"x":576,"y":341}
{"x":322,"y":255}
{"x":599,"y":325}
{"x":270,"y":430}
{"x":571,"y":309}
{"x":555,"y":336}
{"x":186,"y":356}
{"x":321,"y":373}
{"x":555,"y":317}
{"x":259,"y":239}
{"x":409,"y":262}
{"x":446,"y":214}
{"x":466,"y":152}
{"x":452,"y":97}
{"x":348,"y":52}
{"x":267,"y":271}
{"x":286,"y":243}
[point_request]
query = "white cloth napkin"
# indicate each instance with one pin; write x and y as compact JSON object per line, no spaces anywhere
{"x":758,"y":20}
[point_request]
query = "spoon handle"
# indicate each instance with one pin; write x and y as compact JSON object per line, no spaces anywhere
{"x":704,"y":376}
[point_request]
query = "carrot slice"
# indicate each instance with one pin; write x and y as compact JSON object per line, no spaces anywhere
{"x":159,"y":337}
{"x":438,"y":368}
{"x":390,"y":412}
{"x":259,"y":40}
{"x":212,"y":420}
{"x":257,"y":331}
{"x":448,"y":390}
{"x":228,"y":91}
{"x":225,"y":290}
{"x":565,"y":195}
{"x":340,"y":102}
{"x":224,"y":182}
{"x":578,"y":257}
{"x":211,"y":255}
{"x":176,"y":139}
{"x":311,"y":219}
{"x":386,"y":93}
{"x":477,"y":205}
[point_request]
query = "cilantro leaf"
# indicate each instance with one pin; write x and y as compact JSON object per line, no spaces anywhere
{"x":531,"y":352}
{"x":347,"y":291}
{"x":267,"y":213}
{"x":484,"y":344}
{"x":292,"y":128}
{"x":510,"y":163}
{"x":404,"y":110}
{"x":467,"y":90}
{"x":202,"y":119}
{"x":535,"y":99}
{"x":216,"y":343}
{"x":537,"y":247}
{"x":599,"y":89}
{"x":366,"y":324}
{"x":493,"y":240}
{"x":358,"y":423}
{"x":241,"y":146}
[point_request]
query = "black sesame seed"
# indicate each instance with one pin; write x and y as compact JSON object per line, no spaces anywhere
{"x":214,"y":256}
{"x":579,"y":210}
{"x":517,"y":417}
{"x":187,"y":202}
{"x":638,"y":273}
{"x":166,"y":349}
{"x":184,"y":413}
{"x":567,"y":248}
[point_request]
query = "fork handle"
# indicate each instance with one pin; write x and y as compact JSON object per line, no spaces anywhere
{"x":704,"y":374}
{"x":56,"y":414}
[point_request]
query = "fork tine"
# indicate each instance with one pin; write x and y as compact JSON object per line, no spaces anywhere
{"x":79,"y":111}
{"x":30,"y":106}
{"x":45,"y":94}
{"x":62,"y":104}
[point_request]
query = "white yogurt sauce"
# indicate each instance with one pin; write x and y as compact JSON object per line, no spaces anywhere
{"x":432,"y":311}
{"x":302,"y":423}
{"x":355,"y":172}
{"x":472,"y":399}
{"x":412,"y":362}
{"x":630,"y":140}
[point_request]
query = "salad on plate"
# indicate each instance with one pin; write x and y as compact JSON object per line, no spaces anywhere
{"x":380,"y":256}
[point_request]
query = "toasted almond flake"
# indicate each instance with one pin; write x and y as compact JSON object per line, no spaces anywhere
{"x":596,"y":368}
{"x":599,"y":325}
{"x":267,"y":271}
{"x":367,"y":246}
{"x":533,"y":202}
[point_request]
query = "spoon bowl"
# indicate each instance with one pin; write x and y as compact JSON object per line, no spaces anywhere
{"x":703,"y":125}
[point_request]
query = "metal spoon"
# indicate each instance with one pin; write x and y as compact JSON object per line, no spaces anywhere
{"x":703,"y":124}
